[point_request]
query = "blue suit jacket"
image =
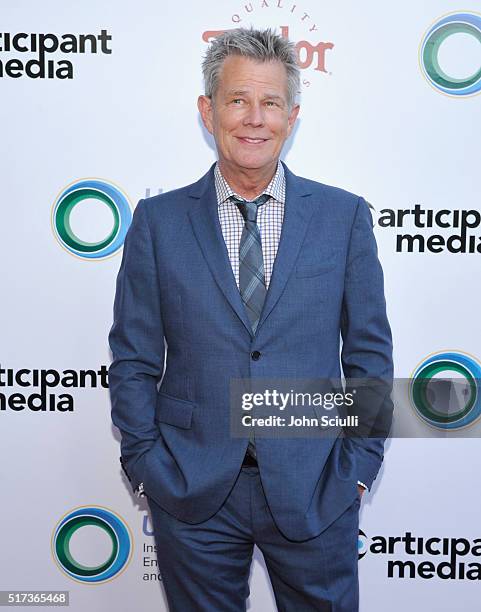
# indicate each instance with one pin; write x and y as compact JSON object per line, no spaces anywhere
{"x":177,"y":297}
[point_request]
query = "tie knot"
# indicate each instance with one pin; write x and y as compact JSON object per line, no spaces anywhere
{"x":249,"y":208}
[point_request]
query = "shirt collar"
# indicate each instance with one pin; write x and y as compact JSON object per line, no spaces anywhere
{"x":276,"y":188}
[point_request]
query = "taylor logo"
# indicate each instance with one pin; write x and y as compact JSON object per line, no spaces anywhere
{"x":294,"y":23}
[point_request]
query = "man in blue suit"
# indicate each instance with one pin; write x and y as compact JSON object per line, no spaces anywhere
{"x":251,"y":272}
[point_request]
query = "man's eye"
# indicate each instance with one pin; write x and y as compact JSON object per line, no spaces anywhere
{"x":237,"y":101}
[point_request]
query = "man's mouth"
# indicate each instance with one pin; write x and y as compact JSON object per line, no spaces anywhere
{"x":252,"y":140}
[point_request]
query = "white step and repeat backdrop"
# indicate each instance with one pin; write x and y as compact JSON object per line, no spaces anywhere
{"x":98,"y":105}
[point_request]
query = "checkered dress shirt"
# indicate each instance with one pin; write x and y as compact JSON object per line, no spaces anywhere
{"x":269,"y":220}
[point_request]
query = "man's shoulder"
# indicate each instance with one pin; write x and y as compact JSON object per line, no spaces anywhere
{"x":330,"y":193}
{"x":324,"y":193}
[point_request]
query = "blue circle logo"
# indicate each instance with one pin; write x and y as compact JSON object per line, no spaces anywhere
{"x":108,"y":522}
{"x":362,"y":544}
{"x":444,"y":390}
{"x":457,"y":23}
{"x":108,"y":195}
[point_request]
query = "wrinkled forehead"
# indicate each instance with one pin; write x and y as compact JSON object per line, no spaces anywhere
{"x":243,"y":75}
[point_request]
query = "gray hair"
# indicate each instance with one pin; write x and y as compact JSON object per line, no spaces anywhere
{"x":259,"y":45}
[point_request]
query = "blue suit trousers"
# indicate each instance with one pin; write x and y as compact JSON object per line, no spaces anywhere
{"x":205,"y":566}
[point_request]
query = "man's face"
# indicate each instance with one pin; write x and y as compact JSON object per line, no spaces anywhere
{"x":249,"y":116}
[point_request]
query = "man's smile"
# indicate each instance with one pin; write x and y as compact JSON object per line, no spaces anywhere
{"x":254,"y":141}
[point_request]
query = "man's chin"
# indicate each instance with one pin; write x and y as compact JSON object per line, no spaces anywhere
{"x":255,"y":164}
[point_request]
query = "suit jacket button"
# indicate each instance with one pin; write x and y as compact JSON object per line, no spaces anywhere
{"x":255,"y":355}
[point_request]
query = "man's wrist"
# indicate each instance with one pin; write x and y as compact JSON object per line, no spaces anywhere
{"x":139,"y":491}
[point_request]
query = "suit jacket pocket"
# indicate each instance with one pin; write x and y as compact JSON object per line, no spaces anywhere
{"x":174,"y":411}
{"x":306,"y":270}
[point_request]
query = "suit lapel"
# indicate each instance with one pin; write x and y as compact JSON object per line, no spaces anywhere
{"x":205,"y":223}
{"x":298,"y":211}
{"x":208,"y":232}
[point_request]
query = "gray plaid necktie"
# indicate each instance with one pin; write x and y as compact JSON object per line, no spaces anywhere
{"x":252,"y":285}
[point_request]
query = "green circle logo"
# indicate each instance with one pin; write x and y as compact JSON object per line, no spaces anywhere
{"x":109,"y":523}
{"x":444,"y":390}
{"x":107,"y":194}
{"x":457,"y":23}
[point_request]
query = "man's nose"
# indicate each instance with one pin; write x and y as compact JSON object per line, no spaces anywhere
{"x":254,"y":115}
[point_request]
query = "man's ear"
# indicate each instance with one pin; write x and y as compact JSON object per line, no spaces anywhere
{"x":204,"y":104}
{"x":292,"y":117}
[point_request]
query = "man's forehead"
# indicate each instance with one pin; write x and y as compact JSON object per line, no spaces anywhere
{"x":241,"y":75}
{"x":238,"y":64}
{"x":268,"y":93}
